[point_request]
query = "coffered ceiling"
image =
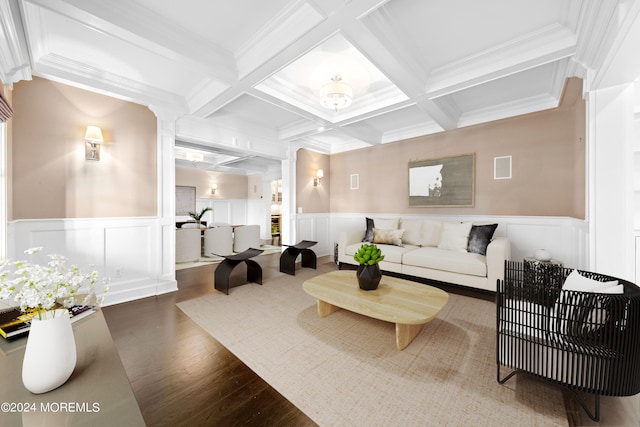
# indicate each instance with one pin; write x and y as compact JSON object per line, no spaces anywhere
{"x":244,"y":77}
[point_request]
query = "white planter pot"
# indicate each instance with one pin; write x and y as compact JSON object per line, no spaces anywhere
{"x":50,"y":356}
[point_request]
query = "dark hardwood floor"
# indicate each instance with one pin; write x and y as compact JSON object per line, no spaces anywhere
{"x":180,"y":375}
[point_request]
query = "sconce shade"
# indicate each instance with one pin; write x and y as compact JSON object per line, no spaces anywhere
{"x":318,"y":177}
{"x":93,"y":134}
{"x":93,"y":139}
{"x":336,"y":94}
{"x":214,"y":187}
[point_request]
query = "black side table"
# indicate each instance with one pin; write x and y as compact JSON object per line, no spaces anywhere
{"x":544,"y":280}
{"x":289,"y":256}
{"x":223,"y":271}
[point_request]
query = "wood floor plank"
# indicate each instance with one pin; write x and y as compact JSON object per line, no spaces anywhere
{"x":180,"y":375}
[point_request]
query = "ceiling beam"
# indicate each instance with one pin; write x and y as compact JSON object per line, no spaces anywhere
{"x":139,"y":26}
{"x":331,"y":25}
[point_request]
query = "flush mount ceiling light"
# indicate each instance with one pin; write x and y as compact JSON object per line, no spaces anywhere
{"x":195,"y":157}
{"x":336,"y":94}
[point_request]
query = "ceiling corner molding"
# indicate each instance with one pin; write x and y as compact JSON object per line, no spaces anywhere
{"x":621,"y":64}
{"x":58,"y":68}
{"x":14,"y":56}
{"x":290,"y":24}
{"x":548,"y":44}
{"x":510,"y":109}
{"x":201,"y":95}
{"x":413,"y":131}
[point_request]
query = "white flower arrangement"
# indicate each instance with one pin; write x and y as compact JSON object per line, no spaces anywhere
{"x":44,"y":287}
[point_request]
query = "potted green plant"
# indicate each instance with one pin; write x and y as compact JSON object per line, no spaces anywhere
{"x":368,"y":273}
{"x":198,"y":216}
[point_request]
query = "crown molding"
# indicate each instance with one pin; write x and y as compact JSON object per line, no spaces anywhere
{"x":548,"y":44}
{"x":14,"y":58}
{"x":58,"y":68}
{"x":145,"y":29}
{"x":421,"y":129}
{"x":509,"y":109}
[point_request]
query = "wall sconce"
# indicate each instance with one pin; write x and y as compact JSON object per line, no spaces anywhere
{"x":93,"y":139}
{"x":318,"y":177}
{"x":214,"y":187}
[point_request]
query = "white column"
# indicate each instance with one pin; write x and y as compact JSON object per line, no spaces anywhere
{"x":610,"y":146}
{"x":288,"y":234}
{"x":166,"y":198}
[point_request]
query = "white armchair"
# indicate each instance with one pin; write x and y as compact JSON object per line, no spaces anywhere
{"x":188,"y":244}
{"x":245,"y":237}
{"x":218,"y":241}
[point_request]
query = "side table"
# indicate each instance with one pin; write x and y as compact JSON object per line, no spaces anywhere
{"x":289,"y":256}
{"x":545,"y":279}
{"x":223,"y":271}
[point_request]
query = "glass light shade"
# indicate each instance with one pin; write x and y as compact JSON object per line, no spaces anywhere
{"x":336,"y":95}
{"x":93,"y":134}
{"x":320,"y":173}
{"x":195,"y":157}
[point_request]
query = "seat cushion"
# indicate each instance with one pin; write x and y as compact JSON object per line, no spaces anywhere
{"x":442,"y":259}
{"x":391,"y":253}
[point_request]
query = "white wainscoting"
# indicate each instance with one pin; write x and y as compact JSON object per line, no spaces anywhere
{"x":315,"y":227}
{"x":566,"y":238}
{"x":137,"y":254}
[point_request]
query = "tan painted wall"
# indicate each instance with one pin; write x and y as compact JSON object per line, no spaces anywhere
{"x":313,"y":199}
{"x":52,"y":179}
{"x":548,"y":152}
{"x":230,"y":186}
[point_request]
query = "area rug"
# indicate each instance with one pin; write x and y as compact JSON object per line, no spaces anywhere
{"x":268,"y":249}
{"x":345,"y":370}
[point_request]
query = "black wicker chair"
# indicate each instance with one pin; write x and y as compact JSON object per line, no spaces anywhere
{"x":586,"y":342}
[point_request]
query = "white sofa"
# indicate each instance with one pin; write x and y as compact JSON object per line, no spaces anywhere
{"x":435,"y":250}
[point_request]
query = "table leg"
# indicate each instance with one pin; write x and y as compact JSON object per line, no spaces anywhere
{"x":325,"y":309}
{"x":405,"y":334}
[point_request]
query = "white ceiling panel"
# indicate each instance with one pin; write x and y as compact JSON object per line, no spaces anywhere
{"x":243,"y":78}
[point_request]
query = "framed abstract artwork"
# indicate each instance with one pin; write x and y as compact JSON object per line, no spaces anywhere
{"x":444,"y":182}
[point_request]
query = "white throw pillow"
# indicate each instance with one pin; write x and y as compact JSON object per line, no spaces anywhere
{"x":412,"y":231}
{"x":572,"y":308}
{"x":577,"y":282}
{"x":386,"y":223}
{"x":455,"y":236}
{"x":431,"y":233}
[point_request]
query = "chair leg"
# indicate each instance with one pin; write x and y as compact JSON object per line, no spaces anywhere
{"x":595,"y":416}
{"x":507,"y":378}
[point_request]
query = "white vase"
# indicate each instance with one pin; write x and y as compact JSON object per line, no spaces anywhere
{"x":50,"y":356}
{"x":542,"y":255}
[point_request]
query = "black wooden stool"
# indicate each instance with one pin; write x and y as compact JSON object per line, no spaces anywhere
{"x":223,"y":271}
{"x":289,"y":256}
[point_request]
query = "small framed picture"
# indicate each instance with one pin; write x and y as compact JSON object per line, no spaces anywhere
{"x":355,"y":181}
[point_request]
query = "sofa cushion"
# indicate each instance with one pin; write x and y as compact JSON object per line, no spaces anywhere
{"x":391,"y":253}
{"x":480,"y":237}
{"x":386,"y":223}
{"x":389,"y":237}
{"x":442,"y":259}
{"x":455,"y":236}
{"x":431,"y":232}
{"x":412,"y":231}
